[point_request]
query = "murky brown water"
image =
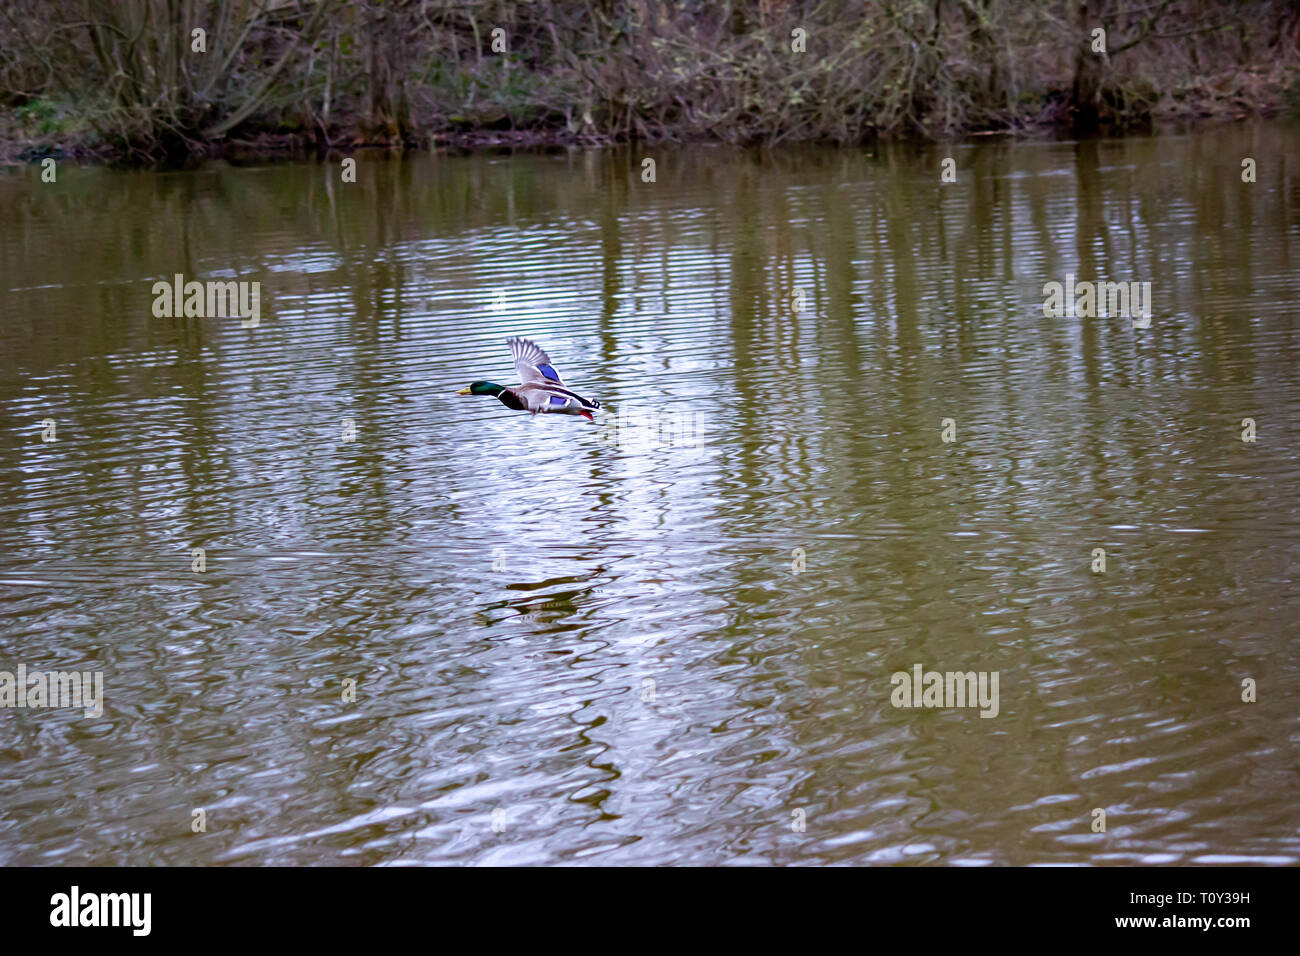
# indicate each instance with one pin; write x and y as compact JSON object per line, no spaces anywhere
{"x":595,"y":636}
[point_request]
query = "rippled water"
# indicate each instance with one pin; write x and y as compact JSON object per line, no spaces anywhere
{"x":666,"y":637}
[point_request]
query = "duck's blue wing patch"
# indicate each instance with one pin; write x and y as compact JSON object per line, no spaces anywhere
{"x":559,"y":400}
{"x":533,"y":364}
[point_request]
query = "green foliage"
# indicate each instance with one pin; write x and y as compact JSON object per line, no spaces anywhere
{"x":40,"y":114}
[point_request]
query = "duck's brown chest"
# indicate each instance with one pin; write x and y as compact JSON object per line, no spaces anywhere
{"x":510,"y":400}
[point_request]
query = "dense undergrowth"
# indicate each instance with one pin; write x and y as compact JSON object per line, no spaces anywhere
{"x":127,"y":79}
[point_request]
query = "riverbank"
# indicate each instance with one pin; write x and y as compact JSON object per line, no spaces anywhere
{"x":21,"y":146}
{"x":139,"y":86}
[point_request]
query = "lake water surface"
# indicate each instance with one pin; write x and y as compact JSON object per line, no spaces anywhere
{"x":666,"y":637}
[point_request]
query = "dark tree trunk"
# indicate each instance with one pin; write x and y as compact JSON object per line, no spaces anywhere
{"x":1089,"y":71}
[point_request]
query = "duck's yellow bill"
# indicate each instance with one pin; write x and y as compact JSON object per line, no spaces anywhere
{"x":463,"y":391}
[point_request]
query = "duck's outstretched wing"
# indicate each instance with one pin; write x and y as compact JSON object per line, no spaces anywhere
{"x":534,"y":365}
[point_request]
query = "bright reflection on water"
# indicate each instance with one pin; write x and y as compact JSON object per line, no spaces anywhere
{"x":628,"y":559}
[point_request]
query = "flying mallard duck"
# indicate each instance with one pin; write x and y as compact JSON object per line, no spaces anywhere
{"x":542,"y":389}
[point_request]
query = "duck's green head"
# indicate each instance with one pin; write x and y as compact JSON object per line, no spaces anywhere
{"x":482,"y":388}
